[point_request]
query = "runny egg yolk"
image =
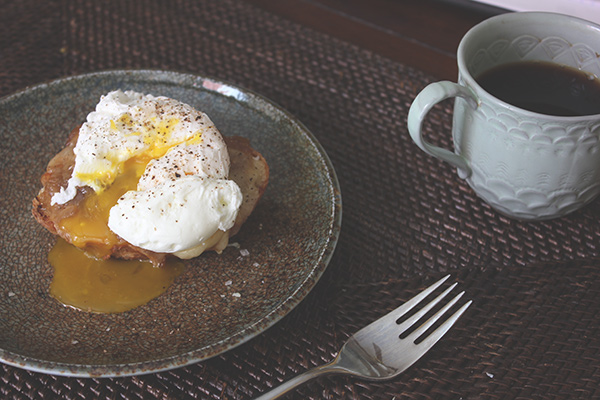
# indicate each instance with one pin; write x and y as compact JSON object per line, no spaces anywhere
{"x":106,"y":286}
{"x":91,"y":283}
{"x":87,"y":281}
{"x":88,"y":227}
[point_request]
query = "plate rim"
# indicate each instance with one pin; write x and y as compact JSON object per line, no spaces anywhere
{"x":249,"y":331}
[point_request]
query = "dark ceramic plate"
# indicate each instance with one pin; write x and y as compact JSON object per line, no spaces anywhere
{"x":220,"y":301}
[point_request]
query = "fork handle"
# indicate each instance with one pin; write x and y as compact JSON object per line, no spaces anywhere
{"x":296,"y":381}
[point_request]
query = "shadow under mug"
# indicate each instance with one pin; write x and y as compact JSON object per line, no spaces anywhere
{"x":526,"y":165}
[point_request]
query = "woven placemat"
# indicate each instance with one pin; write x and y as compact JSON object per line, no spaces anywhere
{"x":408,"y":219}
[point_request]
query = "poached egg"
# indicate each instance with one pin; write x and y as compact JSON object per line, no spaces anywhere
{"x":183,"y":201}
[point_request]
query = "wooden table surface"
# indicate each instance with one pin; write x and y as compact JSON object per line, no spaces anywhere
{"x":420,"y":33}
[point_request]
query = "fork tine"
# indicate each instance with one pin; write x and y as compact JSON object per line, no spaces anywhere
{"x":424,"y":310}
{"x":436,"y":335}
{"x":410,"y":304}
{"x":394,"y":315}
{"x":427,"y":324}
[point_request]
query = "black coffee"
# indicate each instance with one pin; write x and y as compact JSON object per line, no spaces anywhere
{"x":544,"y":88}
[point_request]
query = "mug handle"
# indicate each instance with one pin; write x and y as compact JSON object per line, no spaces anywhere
{"x":429,"y":97}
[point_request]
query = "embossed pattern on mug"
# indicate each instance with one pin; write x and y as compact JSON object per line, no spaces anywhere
{"x":526,"y":196}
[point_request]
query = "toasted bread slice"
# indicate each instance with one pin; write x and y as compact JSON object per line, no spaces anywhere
{"x":248,"y":169}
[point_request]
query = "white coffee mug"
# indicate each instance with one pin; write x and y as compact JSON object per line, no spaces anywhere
{"x":526,"y":165}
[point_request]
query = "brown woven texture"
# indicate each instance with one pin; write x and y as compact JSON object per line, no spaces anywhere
{"x":534,"y":328}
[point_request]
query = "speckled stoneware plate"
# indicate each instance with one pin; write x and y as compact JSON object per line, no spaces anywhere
{"x":220,"y":301}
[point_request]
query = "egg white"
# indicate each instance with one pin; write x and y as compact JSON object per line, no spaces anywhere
{"x":183,"y":196}
{"x":176,"y":215}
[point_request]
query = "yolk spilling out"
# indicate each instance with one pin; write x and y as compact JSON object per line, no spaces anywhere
{"x":88,"y":228}
{"x":82,"y":279}
{"x":106,"y":286}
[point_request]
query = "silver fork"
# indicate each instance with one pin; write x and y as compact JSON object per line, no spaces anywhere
{"x":379,"y":351}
